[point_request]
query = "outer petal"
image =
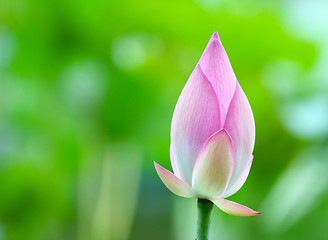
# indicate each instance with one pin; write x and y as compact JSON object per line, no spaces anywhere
{"x":173,"y":183}
{"x":214,"y":166}
{"x":196,"y":118}
{"x":233,"y":208}
{"x":241,"y":127}
{"x":233,"y":188}
{"x":174,"y":167}
{"x":217,"y":68}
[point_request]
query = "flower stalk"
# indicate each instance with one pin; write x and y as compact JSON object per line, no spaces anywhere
{"x":204,"y":214}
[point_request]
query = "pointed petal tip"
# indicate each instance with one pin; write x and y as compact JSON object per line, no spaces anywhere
{"x":156,"y":164}
{"x":216,"y":36}
{"x":198,"y":69}
{"x":222,"y":132}
{"x":173,"y":183}
{"x":234,"y":208}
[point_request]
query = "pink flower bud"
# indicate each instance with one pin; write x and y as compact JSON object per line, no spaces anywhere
{"x":212,"y":134}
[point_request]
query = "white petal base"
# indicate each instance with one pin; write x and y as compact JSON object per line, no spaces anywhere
{"x":173,"y":183}
{"x":233,"y":208}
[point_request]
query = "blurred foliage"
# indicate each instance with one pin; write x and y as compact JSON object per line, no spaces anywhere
{"x":87,"y":92}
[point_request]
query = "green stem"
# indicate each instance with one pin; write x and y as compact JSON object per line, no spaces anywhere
{"x":204,"y":213}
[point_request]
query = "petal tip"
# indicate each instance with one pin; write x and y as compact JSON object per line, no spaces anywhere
{"x":216,"y":36}
{"x":198,"y":69}
{"x":173,"y":183}
{"x":222,"y":132}
{"x":159,"y":168}
{"x":156,"y":164}
{"x":234,"y":208}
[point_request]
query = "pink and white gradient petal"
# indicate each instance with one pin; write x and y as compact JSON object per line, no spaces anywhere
{"x":241,"y":127}
{"x":214,"y":166}
{"x":196,"y":117}
{"x":233,"y":187}
{"x":217,"y":68}
{"x":233,"y":208}
{"x":173,"y":183}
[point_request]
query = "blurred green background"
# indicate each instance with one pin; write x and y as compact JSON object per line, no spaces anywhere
{"x":87,"y":92}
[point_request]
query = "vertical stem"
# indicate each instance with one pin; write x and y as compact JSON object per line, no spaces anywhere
{"x":204,"y":213}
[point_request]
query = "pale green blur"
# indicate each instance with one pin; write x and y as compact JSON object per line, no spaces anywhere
{"x":87,"y":92}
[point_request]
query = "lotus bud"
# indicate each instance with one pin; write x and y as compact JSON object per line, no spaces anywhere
{"x":212,"y":134}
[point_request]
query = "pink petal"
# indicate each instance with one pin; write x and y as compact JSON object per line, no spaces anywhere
{"x":173,"y":183}
{"x":233,"y":208}
{"x":234,"y":187}
{"x":241,"y":127}
{"x":196,"y":118}
{"x":214,"y":165}
{"x":217,"y":68}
